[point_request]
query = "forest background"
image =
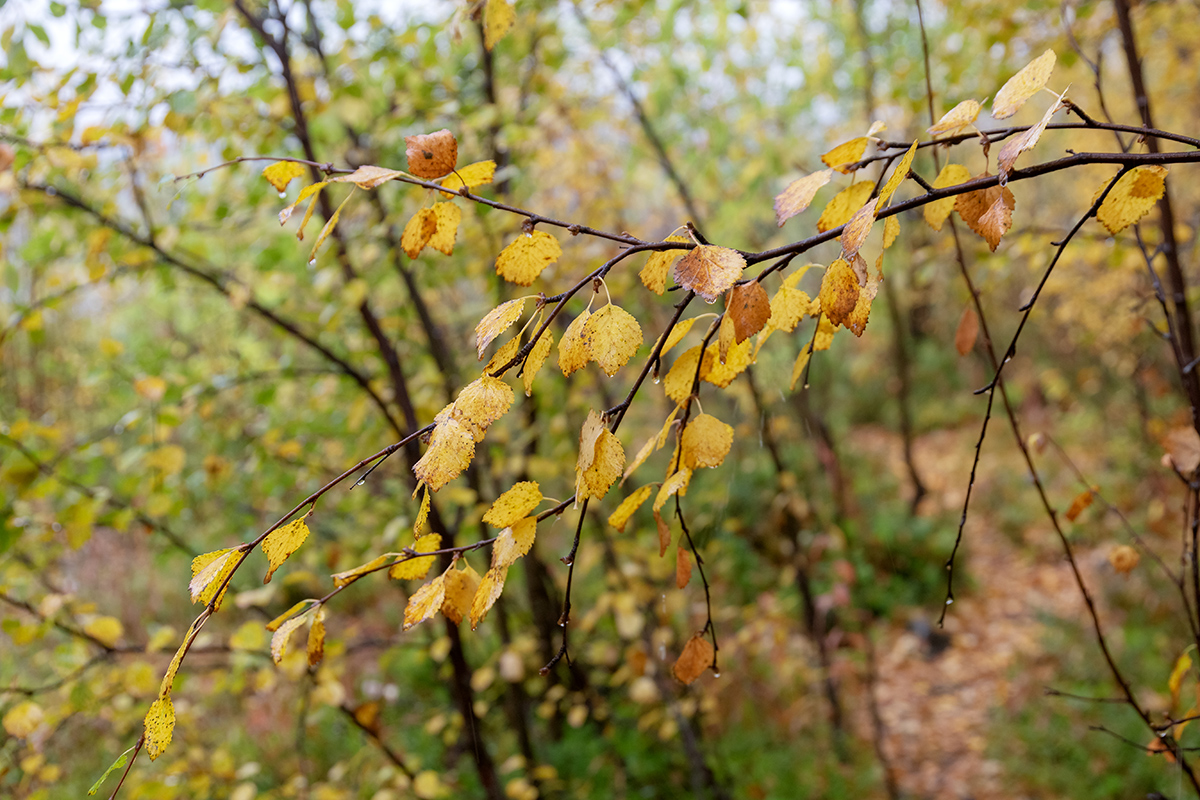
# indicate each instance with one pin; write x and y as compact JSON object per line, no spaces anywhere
{"x":182,"y":382}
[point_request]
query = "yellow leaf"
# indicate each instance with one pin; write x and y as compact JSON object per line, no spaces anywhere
{"x":898,"y":175}
{"x":340,"y":579}
{"x":526,"y":256}
{"x":537,"y":357}
{"x":107,"y":630}
{"x":279,"y":640}
{"x":368,"y":176}
{"x":973,"y":205}
{"x":418,"y":231}
{"x":725,"y":336}
{"x":676,"y":484}
{"x":173,"y":668}
{"x":937,"y":212}
{"x":483,"y":401}
{"x":572,"y":348}
{"x":274,"y":624}
{"x":750,"y":309}
{"x":641,"y":456}
{"x":1025,"y":140}
{"x":706,"y":442}
{"x":697,"y":656}
{"x":209,"y":572}
{"x":1079,"y":504}
{"x":514,"y":542}
{"x":654,"y":274}
{"x":1131,"y":198}
{"x":159,"y":725}
{"x":498,"y":17}
{"x":417,"y":568}
{"x":305,"y":193}
{"x":282,"y":542}
{"x":665,"y":431}
{"x":798,"y":367}
{"x":448,"y":217}
{"x":677,"y":333}
{"x":857,"y":228}
{"x":846,"y":153}
{"x":316,"y":638}
{"x":683,"y":568}
{"x":824,"y":336}
{"x":798,"y":195}
{"x":461,"y":585}
{"x":451,"y":448}
{"x":329,"y":226}
{"x":612,"y":336}
{"x":425,"y":602}
{"x":470,"y":176}
{"x":152,"y":388}
{"x":1022,"y":86}
{"x":281,"y":173}
{"x":967,"y":331}
{"x":496,"y":322}
{"x":604,"y":469}
{"x":857,"y":321}
{"x":422,"y":520}
{"x":957,"y":118}
{"x":620,"y":518}
{"x":503,"y":356}
{"x":23,"y":719}
{"x":664,"y":533}
{"x":431,"y":155}
{"x":168,"y":459}
{"x":788,"y":307}
{"x":995,"y":222}
{"x":1124,"y":558}
{"x":839,"y":292}
{"x":709,"y":271}
{"x":1178,"y":673}
{"x":680,"y":378}
{"x":487,"y":594}
{"x":891,"y":229}
{"x":844,"y":204}
{"x":514,"y":504}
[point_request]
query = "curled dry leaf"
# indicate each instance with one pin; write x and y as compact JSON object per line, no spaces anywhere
{"x":431,"y":155}
{"x":698,"y":655}
{"x":799,"y":195}
{"x":995,"y":222}
{"x":683,"y":568}
{"x":1025,"y":141}
{"x":368,"y":176}
{"x":709,"y":271}
{"x":1024,"y":85}
{"x":750,"y":308}
{"x":1079,"y":505}
{"x":1124,"y":558}
{"x":973,"y":205}
{"x":957,"y":118}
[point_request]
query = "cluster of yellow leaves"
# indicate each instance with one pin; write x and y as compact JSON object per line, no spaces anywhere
{"x":610,"y":337}
{"x":457,"y":428}
{"x":285,"y":625}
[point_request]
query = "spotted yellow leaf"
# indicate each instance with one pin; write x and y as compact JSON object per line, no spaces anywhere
{"x":159,"y":725}
{"x":612,"y":336}
{"x":514,"y":542}
{"x":315,"y":648}
{"x":451,"y":448}
{"x":572,"y":348}
{"x":282,"y":542}
{"x":839,"y":291}
{"x":620,"y":518}
{"x":461,"y":585}
{"x":209,"y":572}
{"x":514,"y":504}
{"x":523,"y":260}
{"x":498,"y":17}
{"x":425,"y":602}
{"x":418,"y":231}
{"x":448,"y":218}
{"x":1131,"y":198}
{"x":417,"y":568}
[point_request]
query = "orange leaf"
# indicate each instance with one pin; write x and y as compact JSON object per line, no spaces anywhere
{"x":750,"y":309}
{"x":709,"y":271}
{"x":697,"y":656}
{"x":967,"y":331}
{"x":431,"y":155}
{"x":683,"y":568}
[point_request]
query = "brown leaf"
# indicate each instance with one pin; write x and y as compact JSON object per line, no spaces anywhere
{"x":1183,"y":445}
{"x":973,"y":205}
{"x":995,"y":222}
{"x":664,"y":533}
{"x":697,"y":656}
{"x":750,"y":308}
{"x":683,"y":568}
{"x":431,"y":155}
{"x":967,"y":332}
{"x":1079,"y":504}
{"x":857,"y":228}
{"x":1124,"y":558}
{"x":709,"y":271}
